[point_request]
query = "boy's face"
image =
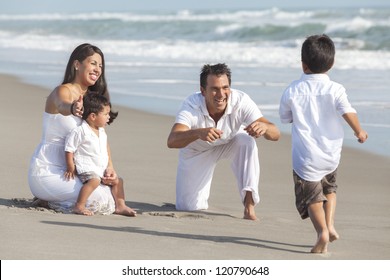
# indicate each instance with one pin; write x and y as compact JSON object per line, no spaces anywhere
{"x":102,"y":118}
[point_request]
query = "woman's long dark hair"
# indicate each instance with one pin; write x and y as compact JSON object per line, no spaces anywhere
{"x":80,"y":53}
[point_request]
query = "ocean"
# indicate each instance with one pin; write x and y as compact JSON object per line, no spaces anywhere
{"x":153,"y":59}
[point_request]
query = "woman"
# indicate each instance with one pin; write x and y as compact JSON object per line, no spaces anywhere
{"x":64,"y":107}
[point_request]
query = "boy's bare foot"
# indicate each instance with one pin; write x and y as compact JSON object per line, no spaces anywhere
{"x":125,"y":211}
{"x":321,"y":245}
{"x":333,"y":235}
{"x":80,"y":210}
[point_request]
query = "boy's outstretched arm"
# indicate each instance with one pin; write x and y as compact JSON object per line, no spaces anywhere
{"x":353,"y":122}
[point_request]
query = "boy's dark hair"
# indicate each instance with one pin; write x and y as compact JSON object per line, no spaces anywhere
{"x":94,"y":103}
{"x":318,"y":53}
{"x":217,"y":69}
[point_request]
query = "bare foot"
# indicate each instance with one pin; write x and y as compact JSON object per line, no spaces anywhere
{"x":81,"y":210}
{"x":249,"y":211}
{"x":249,"y":214}
{"x":37,"y":202}
{"x":125,"y":211}
{"x":321,"y":245}
{"x":333,"y":235}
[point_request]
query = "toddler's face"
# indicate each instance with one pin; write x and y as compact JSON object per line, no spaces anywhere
{"x":103,"y":117}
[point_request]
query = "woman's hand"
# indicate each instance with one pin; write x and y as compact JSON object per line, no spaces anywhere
{"x":77,"y":107}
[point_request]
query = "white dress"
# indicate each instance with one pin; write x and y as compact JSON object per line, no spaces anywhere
{"x":47,"y":168}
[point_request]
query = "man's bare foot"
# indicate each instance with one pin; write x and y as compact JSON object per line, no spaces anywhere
{"x":249,"y":214}
{"x":321,"y":247}
{"x":125,"y":211}
{"x":80,"y":210}
{"x":249,"y":211}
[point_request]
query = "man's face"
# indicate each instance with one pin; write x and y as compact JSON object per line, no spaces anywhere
{"x":216,"y":93}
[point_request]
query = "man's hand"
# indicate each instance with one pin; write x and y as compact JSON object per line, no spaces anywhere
{"x":257,"y":129}
{"x":210,"y":134}
{"x":263,"y":128}
{"x":181,"y":135}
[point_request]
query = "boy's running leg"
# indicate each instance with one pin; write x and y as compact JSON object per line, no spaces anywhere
{"x":330,"y":209}
{"x":317,"y":216}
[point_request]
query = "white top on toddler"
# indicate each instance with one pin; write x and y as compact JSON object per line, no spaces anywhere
{"x":90,"y":150}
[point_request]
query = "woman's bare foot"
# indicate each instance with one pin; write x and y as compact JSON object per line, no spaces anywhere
{"x":321,"y":245}
{"x":81,"y":210}
{"x":125,"y":211}
{"x":37,"y":202}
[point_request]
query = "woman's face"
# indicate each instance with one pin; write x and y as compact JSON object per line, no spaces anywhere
{"x":89,"y":70}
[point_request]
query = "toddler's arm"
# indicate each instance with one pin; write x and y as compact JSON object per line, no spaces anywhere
{"x":70,"y":167}
{"x":353,"y":122}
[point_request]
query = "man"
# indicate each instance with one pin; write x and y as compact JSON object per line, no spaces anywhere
{"x":218,"y":122}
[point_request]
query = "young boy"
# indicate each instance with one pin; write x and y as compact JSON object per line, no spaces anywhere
{"x":86,"y":149}
{"x":313,"y":105}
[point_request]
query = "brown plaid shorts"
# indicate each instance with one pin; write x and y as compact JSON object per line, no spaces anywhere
{"x":86,"y":176}
{"x":307,"y":192}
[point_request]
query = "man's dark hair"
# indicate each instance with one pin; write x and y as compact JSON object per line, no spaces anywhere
{"x":217,"y":69}
{"x":94,"y":103}
{"x":318,"y":52}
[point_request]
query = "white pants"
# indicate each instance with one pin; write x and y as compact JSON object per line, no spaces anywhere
{"x":196,"y":167}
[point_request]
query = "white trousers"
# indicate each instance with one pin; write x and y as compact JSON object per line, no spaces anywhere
{"x":196,"y":167}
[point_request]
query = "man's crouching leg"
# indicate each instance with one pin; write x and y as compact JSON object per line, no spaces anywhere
{"x":249,"y":210}
{"x":246,"y":167}
{"x":193,"y":180}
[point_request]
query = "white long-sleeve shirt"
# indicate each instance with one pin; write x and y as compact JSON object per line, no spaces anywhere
{"x":314,"y":104}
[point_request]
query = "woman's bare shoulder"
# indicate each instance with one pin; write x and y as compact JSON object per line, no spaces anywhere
{"x":60,"y":94}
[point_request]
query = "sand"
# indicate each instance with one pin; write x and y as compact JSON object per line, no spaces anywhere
{"x":159,"y":232}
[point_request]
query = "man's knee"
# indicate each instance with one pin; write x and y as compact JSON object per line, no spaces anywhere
{"x":190,"y":205}
{"x":244,"y":140}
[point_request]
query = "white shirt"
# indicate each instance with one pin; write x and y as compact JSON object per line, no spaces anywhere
{"x":90,"y":150}
{"x":314,"y":105}
{"x":241,"y":111}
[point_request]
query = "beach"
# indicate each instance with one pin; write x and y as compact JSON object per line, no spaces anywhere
{"x":159,"y":232}
{"x":153,"y":58}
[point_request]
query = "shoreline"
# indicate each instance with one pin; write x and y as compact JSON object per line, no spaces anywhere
{"x":140,"y":155}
